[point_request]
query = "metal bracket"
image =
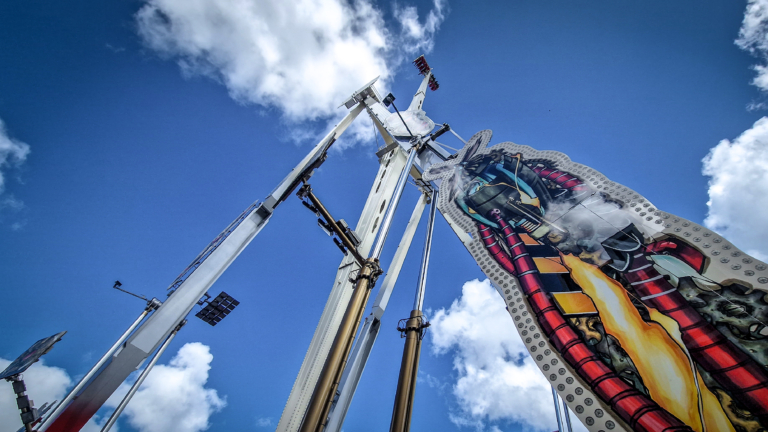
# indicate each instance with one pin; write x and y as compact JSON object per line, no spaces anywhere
{"x":346,"y":239}
{"x":374,"y":274}
{"x":403,"y":328}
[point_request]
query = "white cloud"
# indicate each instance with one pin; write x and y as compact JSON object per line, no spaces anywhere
{"x":430,"y":380}
{"x":44,"y":384}
{"x":738,"y":169}
{"x":97,"y":422}
{"x":419,"y":37}
{"x":302,"y":57}
{"x":12,"y":154}
{"x":12,"y":203}
{"x":12,"y":207}
{"x":738,"y":189}
{"x":753,"y":37}
{"x":497,"y":380}
{"x":174,"y":396}
{"x":264,"y":422}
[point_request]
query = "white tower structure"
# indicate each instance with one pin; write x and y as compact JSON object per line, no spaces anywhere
{"x":153,"y":330}
{"x":398,"y":128}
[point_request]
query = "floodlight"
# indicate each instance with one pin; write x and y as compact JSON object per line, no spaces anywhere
{"x":217,"y":309}
{"x":388,"y":100}
{"x":29,"y":414}
{"x":31,"y":355}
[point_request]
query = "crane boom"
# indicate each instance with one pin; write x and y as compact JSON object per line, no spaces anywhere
{"x":187,"y":290}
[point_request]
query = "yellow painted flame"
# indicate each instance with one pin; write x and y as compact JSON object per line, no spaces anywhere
{"x":664,"y":366}
{"x":526,"y":199}
{"x":714,"y":416}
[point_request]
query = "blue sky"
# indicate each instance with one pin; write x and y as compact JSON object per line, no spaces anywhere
{"x":130,"y":143}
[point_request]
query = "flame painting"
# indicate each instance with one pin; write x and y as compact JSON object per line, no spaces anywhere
{"x":641,"y":320}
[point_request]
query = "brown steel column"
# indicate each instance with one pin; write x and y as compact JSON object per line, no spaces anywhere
{"x":316,"y":416}
{"x":412,"y":393}
{"x":409,"y":368}
{"x":414,"y":332}
{"x":320,"y":403}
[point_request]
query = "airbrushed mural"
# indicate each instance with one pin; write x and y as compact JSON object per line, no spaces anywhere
{"x":642,"y":321}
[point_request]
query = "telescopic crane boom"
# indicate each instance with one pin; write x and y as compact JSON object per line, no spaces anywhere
{"x":76,"y":409}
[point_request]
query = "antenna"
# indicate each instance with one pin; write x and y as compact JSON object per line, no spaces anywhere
{"x":117,"y":286}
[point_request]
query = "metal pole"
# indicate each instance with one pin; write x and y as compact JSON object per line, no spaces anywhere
{"x":409,"y":366}
{"x":151,"y":305}
{"x":123,"y":403}
{"x":316,"y":416}
{"x":567,"y":416}
{"x":389,"y":214}
{"x":418,"y":302}
{"x":401,"y":412}
{"x":557,"y":410}
{"x":28,"y":412}
{"x":370,"y":331}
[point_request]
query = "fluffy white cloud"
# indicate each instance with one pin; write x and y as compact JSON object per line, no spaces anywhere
{"x":418,"y":37}
{"x":12,"y":153}
{"x":44,"y":384}
{"x":753,"y":37}
{"x":174,"y":397}
{"x":265,"y":422}
{"x":302,"y":57}
{"x":738,"y":189}
{"x":738,"y":169}
{"x":497,"y":380}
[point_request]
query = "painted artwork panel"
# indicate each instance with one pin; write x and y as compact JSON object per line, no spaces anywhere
{"x":641,"y":320}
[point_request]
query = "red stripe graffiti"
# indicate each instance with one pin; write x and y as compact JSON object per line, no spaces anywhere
{"x":563,"y":179}
{"x":495,"y":249}
{"x":732,"y":368}
{"x":736,"y":371}
{"x":640,"y":412}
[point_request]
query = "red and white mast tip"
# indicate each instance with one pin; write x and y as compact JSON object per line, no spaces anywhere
{"x":423,"y":67}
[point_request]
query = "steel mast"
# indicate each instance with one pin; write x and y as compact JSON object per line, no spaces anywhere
{"x":398,"y":129}
{"x":320,"y":403}
{"x":556,"y":399}
{"x":414,"y":333}
{"x":372,"y":325}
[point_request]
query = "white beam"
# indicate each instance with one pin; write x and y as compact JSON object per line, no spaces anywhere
{"x":382,"y":189}
{"x":206,"y":269}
